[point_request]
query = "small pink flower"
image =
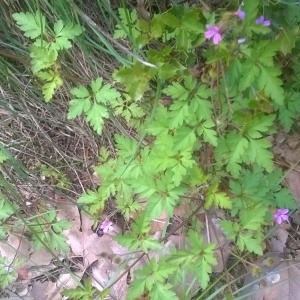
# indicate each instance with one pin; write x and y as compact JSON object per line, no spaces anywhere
{"x":261,"y":20}
{"x":281,"y":215}
{"x":106,"y":226}
{"x":214,"y":33}
{"x":241,"y":14}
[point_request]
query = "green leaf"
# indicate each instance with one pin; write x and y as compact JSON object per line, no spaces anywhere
{"x":284,"y":198}
{"x":258,"y":153}
{"x":176,"y":91}
{"x":63,"y":34}
{"x":179,"y":112}
{"x":209,"y":135}
{"x":250,"y":72}
{"x":258,"y":125}
{"x":136,"y":288}
{"x":251,"y":7}
{"x":191,"y":21}
{"x":231,"y":228}
{"x":96,"y":115}
{"x":157,"y":26}
{"x":286,"y":38}
{"x":289,"y":111}
{"x":252,"y":219}
{"x":49,"y":88}
{"x":106,"y":93}
{"x":162,"y":291}
{"x":6,"y":209}
{"x":80,"y":92}
{"x":220,"y":199}
{"x":78,"y":106}
{"x":32,"y":25}
{"x":170,"y":20}
{"x":42,"y":58}
{"x":127,"y":147}
{"x":251,"y":244}
{"x":135,"y":79}
{"x":270,"y":83}
{"x":89,"y":197}
{"x":184,"y":138}
{"x":59,"y":226}
{"x":3,"y":156}
{"x":126,"y":27}
{"x":232,"y":149}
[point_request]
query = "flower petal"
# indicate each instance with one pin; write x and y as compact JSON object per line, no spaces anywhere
{"x":260,"y":20}
{"x":241,"y":14}
{"x":217,"y":38}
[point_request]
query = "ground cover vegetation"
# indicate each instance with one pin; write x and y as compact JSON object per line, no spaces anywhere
{"x":173,"y":106}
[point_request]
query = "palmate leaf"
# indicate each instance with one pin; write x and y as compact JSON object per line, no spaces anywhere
{"x":220,"y":199}
{"x":250,"y":72}
{"x":246,"y":241}
{"x":253,"y":218}
{"x":63,"y":34}
{"x":32,"y":25}
{"x":42,"y":58}
{"x":176,"y":91}
{"x":135,"y":79}
{"x":127,"y":26}
{"x":209,"y":135}
{"x":104,"y":92}
{"x":258,"y":125}
{"x":184,"y":138}
{"x":96,"y":115}
{"x":290,"y":109}
{"x":48,"y":89}
{"x":89,"y":197}
{"x":78,"y":106}
{"x":162,"y":291}
{"x":6,"y":209}
{"x":271,"y":84}
{"x":237,"y":146}
{"x":180,"y":111}
{"x":137,"y":288}
{"x":258,"y":152}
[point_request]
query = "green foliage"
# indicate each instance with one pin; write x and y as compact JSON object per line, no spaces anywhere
{"x":88,"y":293}
{"x":203,"y":115}
{"x":245,"y":232}
{"x":8,"y":273}
{"x":44,"y":52}
{"x":139,"y":238}
{"x":199,"y":259}
{"x":6,"y":208}
{"x":152,"y":279}
{"x":32,"y":25}
{"x":46,"y":230}
{"x":94,"y":104}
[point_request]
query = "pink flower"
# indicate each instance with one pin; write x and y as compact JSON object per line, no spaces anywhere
{"x":261,"y":20}
{"x":241,"y":14}
{"x":214,"y":33}
{"x":281,"y":215}
{"x":106,"y":226}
